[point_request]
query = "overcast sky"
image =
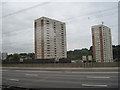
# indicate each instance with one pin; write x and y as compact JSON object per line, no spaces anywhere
{"x":18,"y":22}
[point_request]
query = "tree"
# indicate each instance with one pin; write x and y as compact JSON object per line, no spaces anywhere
{"x":77,"y":54}
{"x":31,"y":55}
{"x":14,"y":57}
{"x":116,"y":53}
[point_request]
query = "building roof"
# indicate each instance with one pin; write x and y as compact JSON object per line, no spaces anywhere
{"x":49,"y":19}
{"x":100,"y":25}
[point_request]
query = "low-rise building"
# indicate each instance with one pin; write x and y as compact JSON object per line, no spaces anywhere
{"x":89,"y":58}
{"x":4,"y":55}
{"x":84,"y":58}
{"x":0,"y":55}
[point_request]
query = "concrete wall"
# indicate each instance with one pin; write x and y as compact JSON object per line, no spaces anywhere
{"x":113,"y":64}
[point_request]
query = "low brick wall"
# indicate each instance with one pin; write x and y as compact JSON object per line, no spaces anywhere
{"x":113,"y":64}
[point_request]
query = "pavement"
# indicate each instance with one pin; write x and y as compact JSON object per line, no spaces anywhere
{"x":37,"y":77}
{"x":68,"y":68}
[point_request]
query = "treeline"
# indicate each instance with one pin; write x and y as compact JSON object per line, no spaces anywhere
{"x":72,"y":55}
{"x":116,"y":52}
{"x":77,"y":54}
{"x":17,"y":56}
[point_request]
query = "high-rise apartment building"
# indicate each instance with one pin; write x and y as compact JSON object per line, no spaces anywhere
{"x":50,"y":39}
{"x":102,"y":43}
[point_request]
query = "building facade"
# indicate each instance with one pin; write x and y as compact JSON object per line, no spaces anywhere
{"x":4,"y":55}
{"x":102,"y":43}
{"x":0,"y":55}
{"x":50,"y":39}
{"x":89,"y":58}
{"x":84,"y":58}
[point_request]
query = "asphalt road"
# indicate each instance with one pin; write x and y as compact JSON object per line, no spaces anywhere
{"x":60,"y":78}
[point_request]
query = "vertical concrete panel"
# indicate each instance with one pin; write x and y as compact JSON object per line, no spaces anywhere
{"x":42,"y":39}
{"x":93,"y":42}
{"x":35,"y":25}
{"x":101,"y":44}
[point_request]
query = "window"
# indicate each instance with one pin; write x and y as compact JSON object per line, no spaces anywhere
{"x":47,"y":20}
{"x":48,"y":48}
{"x":62,"y":38}
{"x":61,"y":25}
{"x":48,"y":55}
{"x":54,"y":30}
{"x":48,"y":38}
{"x":48,"y":45}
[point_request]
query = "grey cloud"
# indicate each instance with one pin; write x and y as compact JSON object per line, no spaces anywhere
{"x":18,"y":29}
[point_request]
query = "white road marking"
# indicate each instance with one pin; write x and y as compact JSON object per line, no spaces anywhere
{"x":46,"y":71}
{"x":69,"y":72}
{"x":90,"y":85}
{"x":31,"y":74}
{"x":97,"y":77}
{"x":17,"y":70}
{"x":95,"y":72}
{"x":3,"y":70}
{"x":14,"y":80}
{"x":64,"y":72}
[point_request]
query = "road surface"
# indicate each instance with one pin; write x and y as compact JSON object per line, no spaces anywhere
{"x":60,"y":78}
